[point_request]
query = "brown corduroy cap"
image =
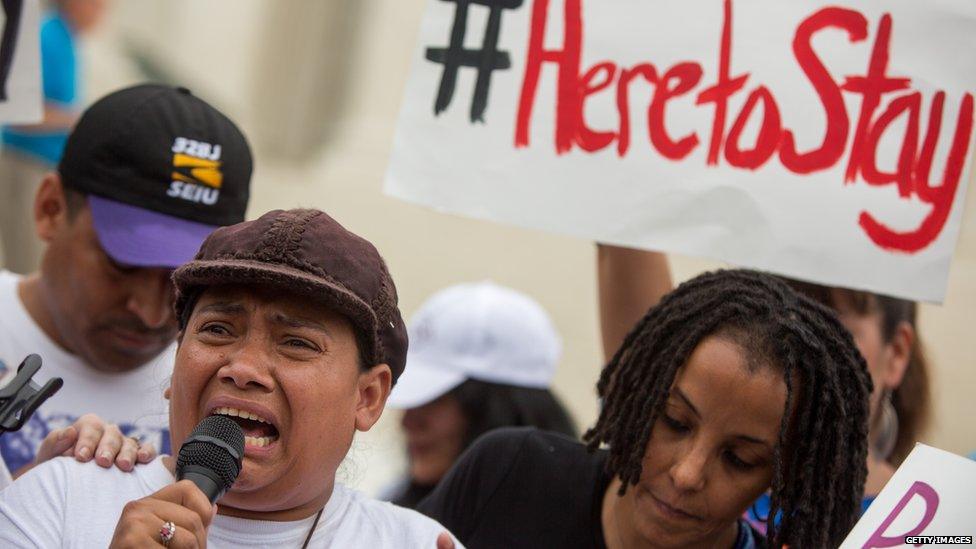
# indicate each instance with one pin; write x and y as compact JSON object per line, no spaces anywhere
{"x":308,"y":253}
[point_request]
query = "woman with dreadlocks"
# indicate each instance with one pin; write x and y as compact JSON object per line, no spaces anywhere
{"x":733,"y":385}
{"x":885,"y":331}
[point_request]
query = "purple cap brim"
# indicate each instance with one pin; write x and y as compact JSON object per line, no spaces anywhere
{"x":139,"y":237}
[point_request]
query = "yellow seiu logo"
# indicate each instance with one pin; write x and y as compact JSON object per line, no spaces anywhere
{"x":196,"y":175}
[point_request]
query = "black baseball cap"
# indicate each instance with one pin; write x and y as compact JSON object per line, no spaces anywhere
{"x":162,"y":169}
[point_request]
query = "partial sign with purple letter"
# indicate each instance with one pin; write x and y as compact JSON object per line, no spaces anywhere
{"x":931,"y":499}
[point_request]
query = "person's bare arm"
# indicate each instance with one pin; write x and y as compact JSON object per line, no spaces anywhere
{"x":56,"y":118}
{"x":630,"y":282}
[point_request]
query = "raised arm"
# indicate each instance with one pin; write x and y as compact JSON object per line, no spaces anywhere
{"x":630,"y":282}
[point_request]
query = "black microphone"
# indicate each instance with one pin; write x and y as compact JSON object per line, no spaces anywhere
{"x":211,"y":456}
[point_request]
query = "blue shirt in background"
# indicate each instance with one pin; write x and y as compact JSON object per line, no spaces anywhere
{"x":59,"y":71}
{"x":756,"y":515}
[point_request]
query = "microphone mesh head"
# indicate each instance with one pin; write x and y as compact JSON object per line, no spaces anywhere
{"x":202,"y":449}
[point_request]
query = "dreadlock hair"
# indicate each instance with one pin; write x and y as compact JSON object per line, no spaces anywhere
{"x":819,"y":460}
{"x":911,"y":399}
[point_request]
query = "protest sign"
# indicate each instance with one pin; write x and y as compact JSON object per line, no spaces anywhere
{"x":825,"y":141}
{"x":931,"y":499}
{"x":20,"y":63}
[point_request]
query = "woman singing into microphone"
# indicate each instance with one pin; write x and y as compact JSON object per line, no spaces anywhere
{"x":290,"y":327}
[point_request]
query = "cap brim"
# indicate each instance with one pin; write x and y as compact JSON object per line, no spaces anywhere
{"x":421,"y":384}
{"x":246,"y":271}
{"x":139,"y":237}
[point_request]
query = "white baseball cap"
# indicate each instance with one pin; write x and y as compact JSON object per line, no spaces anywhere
{"x":477,"y":331}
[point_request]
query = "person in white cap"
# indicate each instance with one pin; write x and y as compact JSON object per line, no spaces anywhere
{"x":481,"y":357}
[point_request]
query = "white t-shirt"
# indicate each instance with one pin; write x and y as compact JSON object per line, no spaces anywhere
{"x":64,"y":503}
{"x":134,"y":399}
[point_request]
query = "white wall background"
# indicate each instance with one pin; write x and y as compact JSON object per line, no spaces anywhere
{"x":274,"y":67}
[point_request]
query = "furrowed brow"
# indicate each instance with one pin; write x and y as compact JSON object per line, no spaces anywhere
{"x":299,"y":322}
{"x":223,"y":307}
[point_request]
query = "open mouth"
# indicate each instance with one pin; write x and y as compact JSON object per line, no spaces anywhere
{"x":258,"y":431}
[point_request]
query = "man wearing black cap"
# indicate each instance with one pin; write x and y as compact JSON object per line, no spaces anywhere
{"x":147,"y":174}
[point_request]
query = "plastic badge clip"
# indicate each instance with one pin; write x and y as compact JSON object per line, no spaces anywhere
{"x":21,"y":397}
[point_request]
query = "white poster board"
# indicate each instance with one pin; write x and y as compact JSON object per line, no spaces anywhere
{"x":931,"y":496}
{"x":828,"y":141}
{"x":21,"y":95}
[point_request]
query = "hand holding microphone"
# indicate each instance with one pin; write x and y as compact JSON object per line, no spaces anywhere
{"x":179,"y":514}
